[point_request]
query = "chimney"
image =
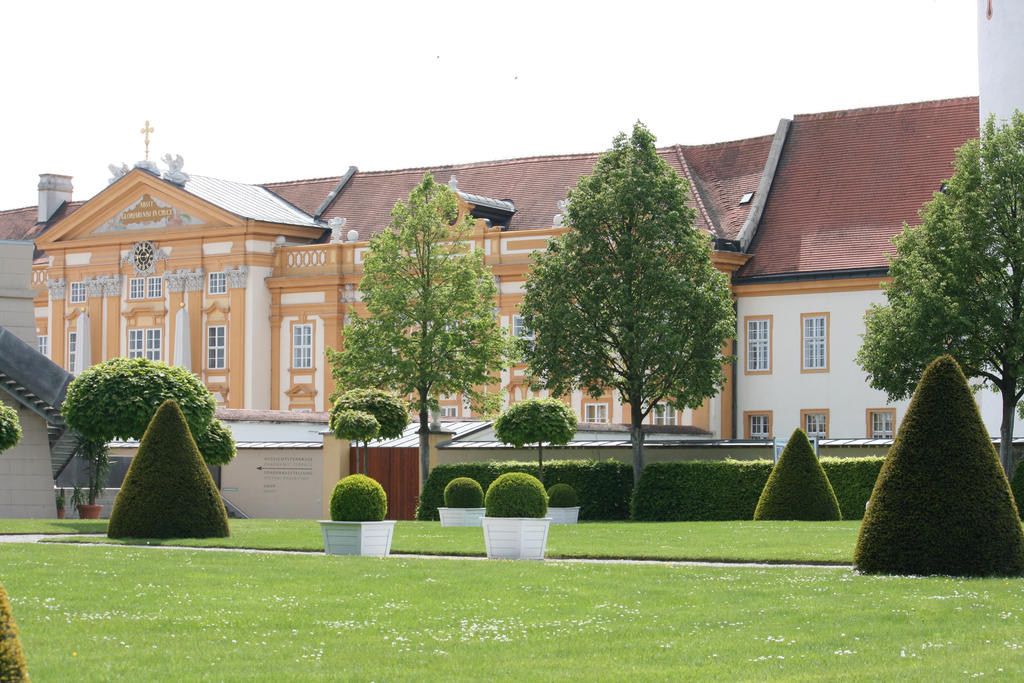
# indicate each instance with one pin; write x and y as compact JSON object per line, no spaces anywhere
{"x":54,"y":190}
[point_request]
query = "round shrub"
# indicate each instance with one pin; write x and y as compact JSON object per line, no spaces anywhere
{"x":358,"y":498}
{"x":798,"y":488}
{"x":516,"y":494}
{"x":463,"y":492}
{"x":12,"y":660}
{"x":562,"y":496}
{"x":353,"y":425}
{"x":216,"y":444}
{"x":390,"y":412}
{"x":941,"y":504}
{"x":10,"y":427}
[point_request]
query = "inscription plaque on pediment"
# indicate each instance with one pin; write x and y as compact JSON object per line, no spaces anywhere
{"x":146,"y":213}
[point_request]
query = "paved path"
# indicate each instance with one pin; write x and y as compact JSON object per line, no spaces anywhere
{"x":35,"y":538}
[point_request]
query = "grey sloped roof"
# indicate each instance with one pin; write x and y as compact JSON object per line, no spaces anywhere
{"x":248,"y":201}
{"x":31,"y":378}
{"x":479,"y":200}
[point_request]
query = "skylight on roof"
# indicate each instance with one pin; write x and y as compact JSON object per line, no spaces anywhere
{"x":745,"y":199}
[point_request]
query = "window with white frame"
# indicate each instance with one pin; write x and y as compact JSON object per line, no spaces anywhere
{"x":154,"y":288}
{"x":218,"y":283}
{"x":72,"y":349}
{"x":759,"y":426}
{"x":154,"y":343}
{"x":663,"y":414}
{"x":519,"y":329}
{"x":815,"y":341}
{"x":43,"y":341}
{"x":881,"y":423}
{"x":136,"y":343}
{"x":595,"y":413}
{"x":302,"y":345}
{"x":449,"y":411}
{"x":216,"y":347}
{"x":76,"y":294}
{"x":816,"y":423}
{"x":137,"y":288}
{"x":759,"y":345}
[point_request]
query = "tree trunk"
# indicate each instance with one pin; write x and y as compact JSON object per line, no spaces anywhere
{"x":636,"y":437}
{"x":424,"y":438}
{"x":540,"y":461}
{"x":1006,"y":432}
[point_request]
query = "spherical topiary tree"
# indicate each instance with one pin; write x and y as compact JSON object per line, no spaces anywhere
{"x":798,"y":488}
{"x":516,"y":494}
{"x":217,"y":444}
{"x":536,"y":420}
{"x":168,"y":491}
{"x":12,"y":659}
{"x":118,"y":398}
{"x":354,"y":425}
{"x":10,"y":427}
{"x":562,"y":496}
{"x":390,"y":412}
{"x":941,"y":503}
{"x":463,"y":492}
{"x":358,"y":498}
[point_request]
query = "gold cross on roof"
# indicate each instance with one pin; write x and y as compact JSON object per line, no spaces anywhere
{"x":146,"y":130}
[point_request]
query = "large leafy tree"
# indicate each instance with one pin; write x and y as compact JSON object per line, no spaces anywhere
{"x":628,"y":299}
{"x":958,"y":281}
{"x":430,"y":299}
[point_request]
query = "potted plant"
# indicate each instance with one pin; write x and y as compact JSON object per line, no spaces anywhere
{"x":515,"y":526}
{"x":95,"y":454}
{"x":77,"y":499}
{"x":464,"y":503}
{"x":61,"y":503}
{"x":357,"y":525}
{"x":563,"y":504}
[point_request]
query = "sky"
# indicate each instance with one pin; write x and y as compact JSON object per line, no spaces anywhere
{"x":258,"y":92}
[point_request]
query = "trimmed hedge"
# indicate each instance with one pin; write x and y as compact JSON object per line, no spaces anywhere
{"x":705,"y":490}
{"x":516,"y":494}
{"x":358,"y":498}
{"x":463,"y":492}
{"x":942,"y":504}
{"x":798,"y":488}
{"x":604,"y":487}
{"x":168,"y":491}
{"x":562,"y":496}
{"x":1017,"y":486}
{"x":12,"y":659}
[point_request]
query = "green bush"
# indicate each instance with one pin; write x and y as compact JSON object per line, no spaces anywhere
{"x":797,"y":488}
{"x":562,"y":496}
{"x":216,"y":444}
{"x":536,"y":420}
{"x":604,"y":487}
{"x":703,"y":490}
{"x":168,"y":491}
{"x":942,"y":504}
{"x":10,"y":427}
{"x":12,"y":659}
{"x":390,"y":412}
{"x":463,"y":492}
{"x":358,"y":498}
{"x":1017,"y":487}
{"x":516,"y":494}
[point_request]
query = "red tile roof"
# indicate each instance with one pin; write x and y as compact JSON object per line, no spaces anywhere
{"x":848,"y":180}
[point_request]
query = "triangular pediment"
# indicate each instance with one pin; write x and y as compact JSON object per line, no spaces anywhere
{"x":135,"y":207}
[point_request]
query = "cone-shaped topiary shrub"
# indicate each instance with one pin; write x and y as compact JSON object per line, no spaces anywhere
{"x":463,"y":492}
{"x":168,"y":492}
{"x":562,"y":496}
{"x":358,"y":498}
{"x":941,"y":504}
{"x":1017,"y":486}
{"x":798,"y":487}
{"x":12,"y":659}
{"x":516,"y":494}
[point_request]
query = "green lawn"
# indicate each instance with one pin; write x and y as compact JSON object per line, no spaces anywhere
{"x":804,"y":542}
{"x":102,"y":613}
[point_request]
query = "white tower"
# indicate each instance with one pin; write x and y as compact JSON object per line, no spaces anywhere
{"x":1000,"y":57}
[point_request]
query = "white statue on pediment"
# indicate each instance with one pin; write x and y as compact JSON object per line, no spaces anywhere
{"x":174,"y":174}
{"x":116,"y":172}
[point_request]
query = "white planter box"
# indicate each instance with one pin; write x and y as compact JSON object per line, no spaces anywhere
{"x":372,"y":539}
{"x":461,"y":516}
{"x":515,"y":538}
{"x":564,"y":515}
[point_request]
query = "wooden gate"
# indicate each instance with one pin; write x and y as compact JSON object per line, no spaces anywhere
{"x":398,"y":471}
